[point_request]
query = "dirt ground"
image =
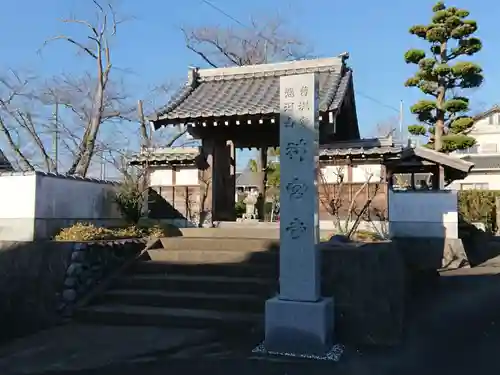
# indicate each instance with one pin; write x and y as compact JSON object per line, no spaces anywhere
{"x":451,"y":329}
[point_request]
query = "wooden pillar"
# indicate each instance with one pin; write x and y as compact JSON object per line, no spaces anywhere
{"x":222,"y":193}
{"x":262,"y":164}
{"x":206,"y":177}
{"x":231,"y":185}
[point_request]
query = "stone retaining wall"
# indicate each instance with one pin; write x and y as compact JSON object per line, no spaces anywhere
{"x":89,"y":264}
{"x":33,"y":275}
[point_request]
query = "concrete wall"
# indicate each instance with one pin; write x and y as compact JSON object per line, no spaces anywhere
{"x":17,"y":207}
{"x":36,"y":205}
{"x":423,"y":214}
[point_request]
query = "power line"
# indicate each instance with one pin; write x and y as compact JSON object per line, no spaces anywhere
{"x":234,"y":19}
{"x":382,"y":104}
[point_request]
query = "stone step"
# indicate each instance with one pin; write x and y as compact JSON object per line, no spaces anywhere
{"x":207,"y":284}
{"x":242,"y":244}
{"x":235,"y":230}
{"x":185,"y":300}
{"x":201,"y":255}
{"x":161,"y":316}
{"x":237,"y":270}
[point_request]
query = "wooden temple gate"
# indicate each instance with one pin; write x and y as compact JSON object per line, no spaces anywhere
{"x":238,"y":108}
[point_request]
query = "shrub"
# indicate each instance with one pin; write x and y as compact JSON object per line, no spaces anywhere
{"x":240,"y":208}
{"x":478,"y":206}
{"x":81,"y":232}
{"x":130,"y":198}
{"x":84,"y":232}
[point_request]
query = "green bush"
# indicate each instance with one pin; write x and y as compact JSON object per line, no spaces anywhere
{"x":81,"y":232}
{"x":240,"y":208}
{"x":478,"y":206}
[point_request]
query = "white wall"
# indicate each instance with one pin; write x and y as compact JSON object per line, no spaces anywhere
{"x":479,"y":178}
{"x":331,"y":173}
{"x":423,"y":214}
{"x":165,"y":176}
{"x":187,"y":176}
{"x":17,"y":207}
{"x":35,"y":205}
{"x":361,"y":172}
{"x":160,"y":176}
{"x":68,"y":198}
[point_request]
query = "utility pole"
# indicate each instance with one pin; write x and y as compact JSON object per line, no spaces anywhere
{"x":56,"y":136}
{"x":401,"y":118}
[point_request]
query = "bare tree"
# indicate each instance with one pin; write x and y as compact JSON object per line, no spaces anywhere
{"x":346,"y":209}
{"x":264,"y":41}
{"x":99,"y":34}
{"x":23,"y":124}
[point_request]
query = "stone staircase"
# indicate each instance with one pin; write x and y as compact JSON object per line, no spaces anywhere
{"x":196,"y":282}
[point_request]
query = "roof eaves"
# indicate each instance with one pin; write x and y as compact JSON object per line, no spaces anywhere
{"x":482,"y":115}
{"x":439,"y":158}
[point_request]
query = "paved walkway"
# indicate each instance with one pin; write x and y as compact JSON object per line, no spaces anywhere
{"x":76,"y":347}
{"x":454,"y":329}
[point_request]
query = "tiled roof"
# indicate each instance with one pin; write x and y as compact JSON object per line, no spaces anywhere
{"x":247,"y":178}
{"x":165,"y":155}
{"x":445,"y":160}
{"x":367,"y":147}
{"x":386,"y":146}
{"x":483,"y":162}
{"x":252,"y":90}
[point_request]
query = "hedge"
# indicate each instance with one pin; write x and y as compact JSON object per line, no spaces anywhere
{"x":479,"y":206}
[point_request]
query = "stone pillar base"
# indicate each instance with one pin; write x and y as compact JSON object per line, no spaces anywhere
{"x":299,"y":327}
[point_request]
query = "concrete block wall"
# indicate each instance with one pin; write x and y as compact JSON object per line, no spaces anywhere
{"x":35,"y":205}
{"x":423,"y":214}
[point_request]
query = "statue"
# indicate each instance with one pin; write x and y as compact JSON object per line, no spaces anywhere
{"x":250,"y":202}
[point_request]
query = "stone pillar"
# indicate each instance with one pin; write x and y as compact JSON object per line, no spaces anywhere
{"x":299,"y":320}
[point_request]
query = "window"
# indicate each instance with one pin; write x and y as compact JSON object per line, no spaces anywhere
{"x":494,"y":119}
{"x":475,"y":186}
{"x":471,"y":150}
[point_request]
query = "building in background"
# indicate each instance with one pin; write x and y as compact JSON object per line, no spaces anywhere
{"x":485,"y":154}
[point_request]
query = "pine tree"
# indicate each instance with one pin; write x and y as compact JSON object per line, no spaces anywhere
{"x":443,"y":118}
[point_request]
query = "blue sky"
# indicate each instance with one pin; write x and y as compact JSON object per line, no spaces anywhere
{"x":151,"y":47}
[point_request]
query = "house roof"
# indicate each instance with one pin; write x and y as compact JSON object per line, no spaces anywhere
{"x":492,"y":110}
{"x":385,"y":146}
{"x":166,"y":155}
{"x":483,"y":162}
{"x":361,"y":147}
{"x":252,"y":90}
{"x":433,"y":156}
{"x":247,"y":178}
